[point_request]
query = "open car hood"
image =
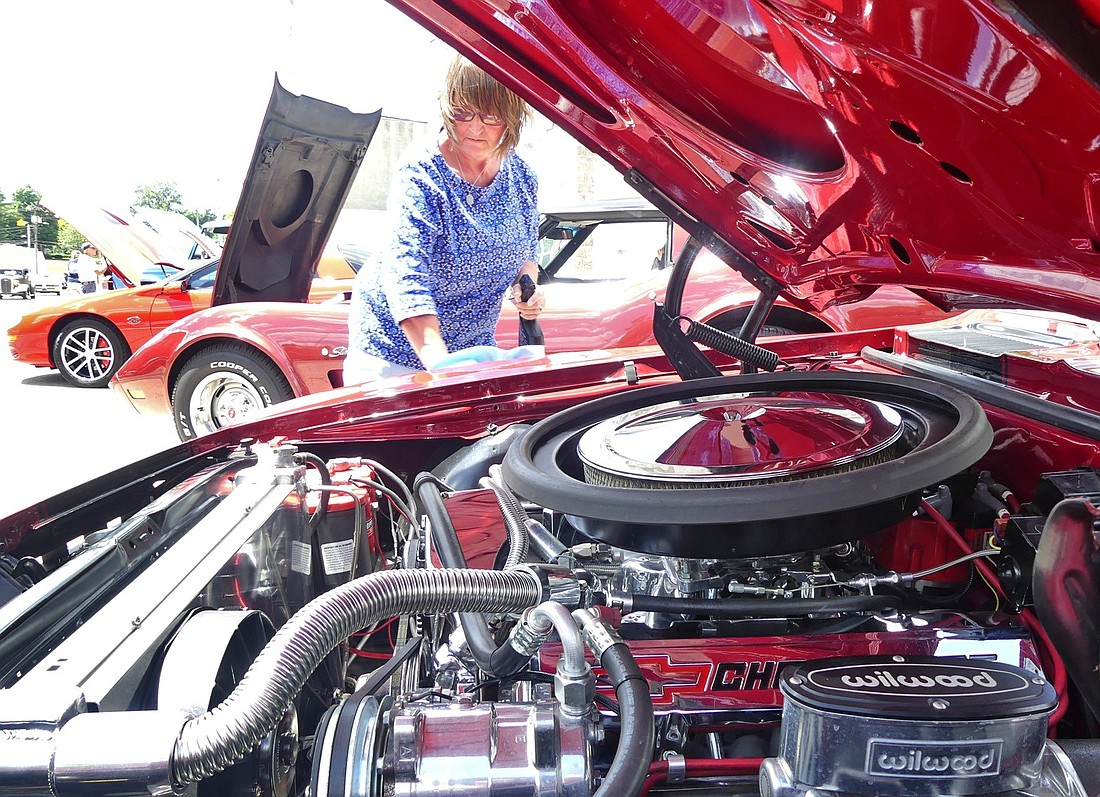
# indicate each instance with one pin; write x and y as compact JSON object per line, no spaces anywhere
{"x":833,"y":145}
{"x":186,"y":236}
{"x":307,"y":155}
{"x":128,"y":243}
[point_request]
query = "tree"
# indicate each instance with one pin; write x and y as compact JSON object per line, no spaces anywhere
{"x":200,"y":216}
{"x":27,"y":199}
{"x":11,"y":231}
{"x":166,"y":196}
{"x":69,"y":238}
{"x":18,"y":214}
{"x":161,"y":196}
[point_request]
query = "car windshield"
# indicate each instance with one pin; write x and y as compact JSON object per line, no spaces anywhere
{"x":603,"y":251}
{"x":201,"y":276}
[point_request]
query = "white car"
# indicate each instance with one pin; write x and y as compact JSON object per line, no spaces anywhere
{"x":16,"y":282}
{"x":48,"y":282}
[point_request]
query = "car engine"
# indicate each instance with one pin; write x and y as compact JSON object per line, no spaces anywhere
{"x":804,"y":583}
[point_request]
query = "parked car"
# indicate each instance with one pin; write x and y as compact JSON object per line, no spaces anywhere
{"x":48,"y":282}
{"x":16,"y":282}
{"x":19,"y":263}
{"x":188,"y":239}
{"x":603,"y":265}
{"x":845,"y":563}
{"x":89,"y":337}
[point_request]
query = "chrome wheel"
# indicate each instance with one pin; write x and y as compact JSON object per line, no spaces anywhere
{"x":225,"y":384}
{"x":88,"y":352}
{"x":221,"y":399}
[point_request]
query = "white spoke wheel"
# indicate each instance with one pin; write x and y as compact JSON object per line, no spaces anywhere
{"x":225,"y":385}
{"x":88,"y":351}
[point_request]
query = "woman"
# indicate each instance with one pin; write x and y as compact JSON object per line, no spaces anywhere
{"x":464,"y":230}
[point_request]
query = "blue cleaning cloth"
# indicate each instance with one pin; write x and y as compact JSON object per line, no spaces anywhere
{"x":486,"y":354}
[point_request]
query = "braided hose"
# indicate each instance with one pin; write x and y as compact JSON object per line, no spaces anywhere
{"x":515,"y":517}
{"x":732,"y":345}
{"x":224,"y":735}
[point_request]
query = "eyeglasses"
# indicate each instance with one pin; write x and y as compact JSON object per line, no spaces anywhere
{"x":462,"y":115}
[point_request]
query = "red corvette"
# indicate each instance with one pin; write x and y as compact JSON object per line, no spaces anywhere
{"x":850,"y":564}
{"x":88,"y":337}
{"x":603,"y":267}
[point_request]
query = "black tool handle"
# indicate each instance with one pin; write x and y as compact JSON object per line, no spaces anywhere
{"x":530,"y":333}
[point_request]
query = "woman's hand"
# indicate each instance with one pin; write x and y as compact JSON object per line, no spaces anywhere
{"x":533,"y":306}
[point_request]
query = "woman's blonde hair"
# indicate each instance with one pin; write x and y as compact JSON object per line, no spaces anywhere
{"x":469,"y":86}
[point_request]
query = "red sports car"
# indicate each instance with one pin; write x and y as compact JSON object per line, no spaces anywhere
{"x":87,"y":338}
{"x":603,"y":266}
{"x":844,"y":564}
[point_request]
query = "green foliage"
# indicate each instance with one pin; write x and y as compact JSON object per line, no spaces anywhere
{"x":200,"y":216}
{"x":11,"y":231}
{"x":69,"y":239}
{"x":27,"y":199}
{"x":15,"y":221}
{"x":166,"y":196}
{"x":161,"y":196}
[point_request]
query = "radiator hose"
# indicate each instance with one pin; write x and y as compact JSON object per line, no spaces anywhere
{"x":222,"y":736}
{"x":630,"y":766}
{"x":497,"y":661}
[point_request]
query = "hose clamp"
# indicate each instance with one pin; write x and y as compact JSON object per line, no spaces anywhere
{"x":598,"y":635}
{"x":557,"y":584}
{"x":677,"y":768}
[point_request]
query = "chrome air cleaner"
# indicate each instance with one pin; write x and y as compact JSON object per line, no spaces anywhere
{"x":740,"y":438}
{"x":909,"y":726}
{"x":752,"y":465}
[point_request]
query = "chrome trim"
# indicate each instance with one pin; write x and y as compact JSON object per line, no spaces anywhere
{"x":98,"y":655}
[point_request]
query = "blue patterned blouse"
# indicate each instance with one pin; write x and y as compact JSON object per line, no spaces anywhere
{"x":447,"y":256}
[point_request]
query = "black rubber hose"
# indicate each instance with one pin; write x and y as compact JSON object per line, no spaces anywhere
{"x":741,"y":608}
{"x":951,"y":600}
{"x":326,"y":478}
{"x":497,"y":661}
{"x":630,"y":766}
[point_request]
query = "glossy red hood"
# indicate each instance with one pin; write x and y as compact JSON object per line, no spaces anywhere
{"x":948,"y":145}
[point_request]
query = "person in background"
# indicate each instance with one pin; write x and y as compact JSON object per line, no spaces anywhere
{"x":464,"y":229}
{"x":88,"y":269}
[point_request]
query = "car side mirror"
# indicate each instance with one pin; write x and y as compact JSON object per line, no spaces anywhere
{"x":176,"y":288}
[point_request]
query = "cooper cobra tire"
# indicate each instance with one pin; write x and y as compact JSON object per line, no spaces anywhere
{"x":88,"y":351}
{"x":222,"y":385}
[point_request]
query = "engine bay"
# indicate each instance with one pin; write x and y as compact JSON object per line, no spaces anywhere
{"x":820,"y":581}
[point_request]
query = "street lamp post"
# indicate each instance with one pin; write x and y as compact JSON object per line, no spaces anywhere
{"x":35,"y":221}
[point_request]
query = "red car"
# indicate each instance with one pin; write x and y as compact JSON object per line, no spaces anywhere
{"x":603,"y":267}
{"x":858,"y":564}
{"x":89,"y":337}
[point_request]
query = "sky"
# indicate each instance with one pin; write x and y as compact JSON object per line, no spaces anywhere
{"x":106,"y":96}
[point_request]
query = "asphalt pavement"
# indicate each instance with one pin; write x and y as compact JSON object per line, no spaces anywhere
{"x":56,"y":436}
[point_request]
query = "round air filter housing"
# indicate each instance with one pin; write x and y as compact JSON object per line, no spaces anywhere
{"x":909,"y":726}
{"x":738,"y":439}
{"x":750,"y":465}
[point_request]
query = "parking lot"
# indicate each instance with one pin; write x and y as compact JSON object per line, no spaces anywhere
{"x":57,"y":436}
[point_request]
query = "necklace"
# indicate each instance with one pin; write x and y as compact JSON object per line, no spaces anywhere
{"x":471,"y":183}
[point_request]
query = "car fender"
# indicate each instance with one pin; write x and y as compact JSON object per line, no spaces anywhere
{"x":267,"y":331}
